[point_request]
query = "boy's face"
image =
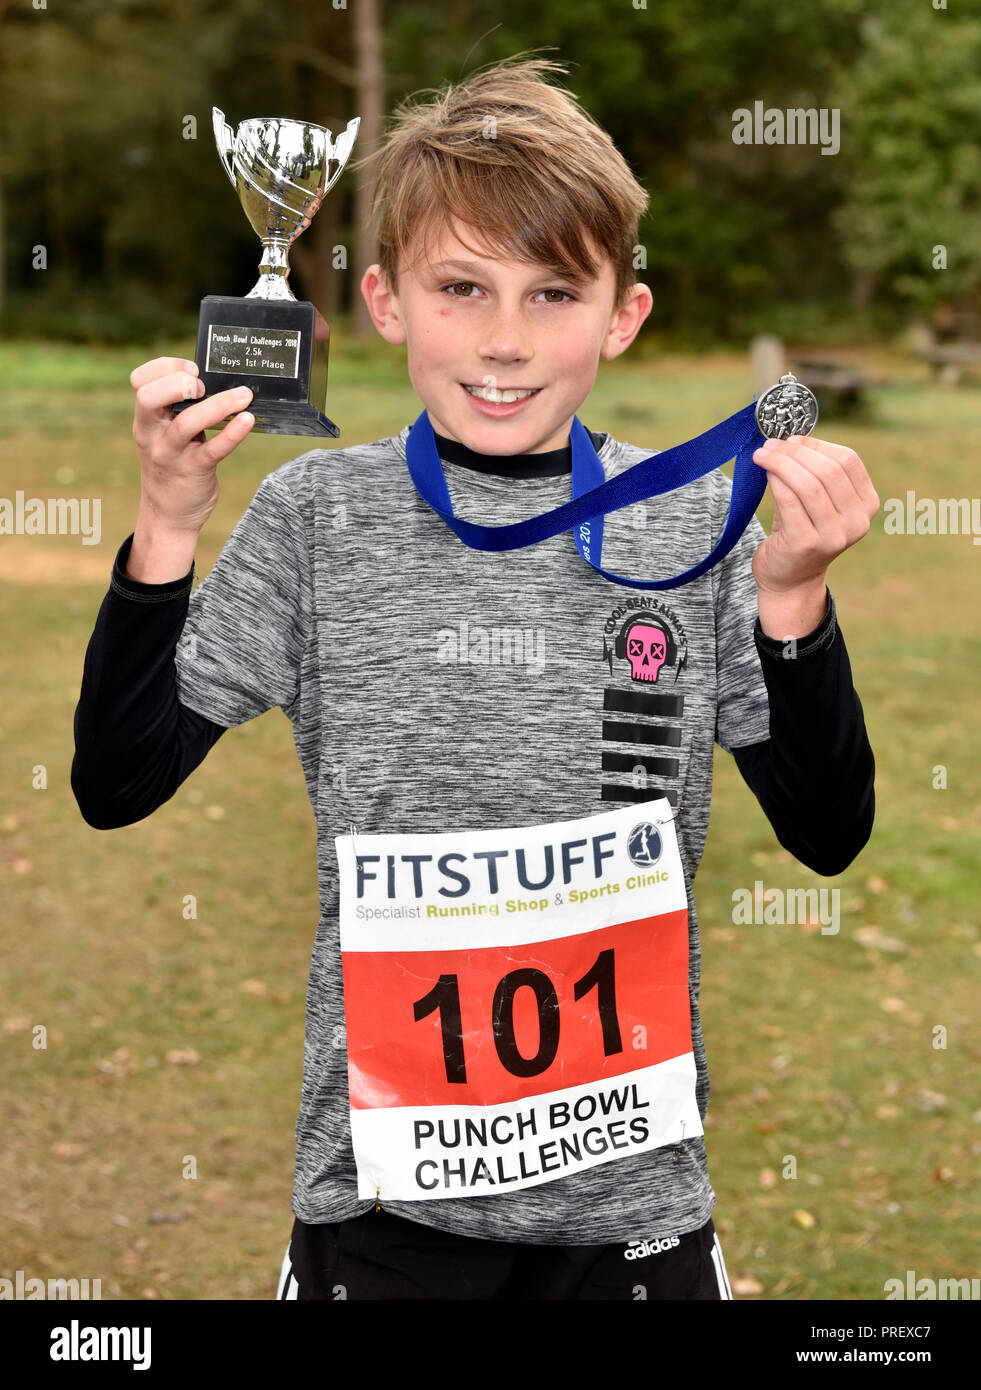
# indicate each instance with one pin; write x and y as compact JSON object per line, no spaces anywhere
{"x":478,"y":321}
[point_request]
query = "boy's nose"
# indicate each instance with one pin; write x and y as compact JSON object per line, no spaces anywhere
{"x":506,"y":337}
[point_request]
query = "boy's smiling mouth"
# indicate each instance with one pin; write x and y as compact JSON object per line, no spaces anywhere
{"x":501,"y":395}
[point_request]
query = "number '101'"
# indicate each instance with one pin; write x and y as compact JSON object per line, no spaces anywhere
{"x":444,"y":997}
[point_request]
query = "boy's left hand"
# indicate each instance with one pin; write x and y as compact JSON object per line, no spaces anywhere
{"x":824,"y":502}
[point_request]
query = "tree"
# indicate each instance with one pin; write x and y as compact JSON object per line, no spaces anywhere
{"x":914,"y":156}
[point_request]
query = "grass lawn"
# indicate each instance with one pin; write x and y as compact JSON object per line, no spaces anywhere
{"x":173,"y":1039}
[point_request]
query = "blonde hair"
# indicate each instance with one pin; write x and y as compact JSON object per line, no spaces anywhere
{"x":518,"y":159}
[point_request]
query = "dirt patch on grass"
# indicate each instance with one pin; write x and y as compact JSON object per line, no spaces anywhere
{"x":24,"y":561}
{"x":27,"y":560}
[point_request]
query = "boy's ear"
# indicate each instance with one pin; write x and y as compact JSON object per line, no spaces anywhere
{"x":627,"y":321}
{"x":382,"y":305}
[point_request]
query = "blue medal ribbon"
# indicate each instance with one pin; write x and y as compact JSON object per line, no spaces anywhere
{"x":594,"y":496}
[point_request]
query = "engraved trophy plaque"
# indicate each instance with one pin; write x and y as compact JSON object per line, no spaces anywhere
{"x":281,"y":170}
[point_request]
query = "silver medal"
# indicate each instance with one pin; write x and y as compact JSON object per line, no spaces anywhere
{"x":786,"y":408}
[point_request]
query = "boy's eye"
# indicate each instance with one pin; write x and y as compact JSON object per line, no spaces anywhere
{"x":468,"y":285}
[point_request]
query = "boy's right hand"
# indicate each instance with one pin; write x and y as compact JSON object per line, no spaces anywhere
{"x":179,"y":465}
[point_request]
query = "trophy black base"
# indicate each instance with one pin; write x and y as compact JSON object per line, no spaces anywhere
{"x":269,"y":346}
{"x":272,"y":417}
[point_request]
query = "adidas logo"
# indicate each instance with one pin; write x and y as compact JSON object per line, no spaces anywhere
{"x":640,"y":1249}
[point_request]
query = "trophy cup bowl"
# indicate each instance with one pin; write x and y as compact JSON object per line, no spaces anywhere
{"x":281,"y":170}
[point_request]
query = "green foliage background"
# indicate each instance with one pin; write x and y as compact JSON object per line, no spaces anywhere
{"x":139,"y":221}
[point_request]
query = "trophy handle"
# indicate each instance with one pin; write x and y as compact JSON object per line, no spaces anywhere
{"x":341,"y":150}
{"x":225,"y":140}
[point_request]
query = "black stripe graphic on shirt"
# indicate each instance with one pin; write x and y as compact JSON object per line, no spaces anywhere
{"x":627,"y":762}
{"x":644,"y":702}
{"x":610,"y":792}
{"x":641,"y":733}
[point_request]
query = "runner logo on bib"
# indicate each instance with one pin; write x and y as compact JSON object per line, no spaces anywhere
{"x":516,"y":1002}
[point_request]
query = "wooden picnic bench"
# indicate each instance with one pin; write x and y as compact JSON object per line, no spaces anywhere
{"x":949,"y":360}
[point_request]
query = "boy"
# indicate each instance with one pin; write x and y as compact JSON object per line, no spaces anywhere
{"x":508,"y":222}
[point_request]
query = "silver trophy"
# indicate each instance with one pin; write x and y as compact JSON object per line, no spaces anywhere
{"x":281,"y":171}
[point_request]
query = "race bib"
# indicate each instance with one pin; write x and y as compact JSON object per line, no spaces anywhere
{"x":516,"y":1002}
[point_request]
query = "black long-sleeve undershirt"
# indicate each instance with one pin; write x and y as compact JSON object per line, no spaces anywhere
{"x":135,"y":743}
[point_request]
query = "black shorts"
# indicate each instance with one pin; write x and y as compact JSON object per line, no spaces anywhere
{"x":379,"y":1255}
